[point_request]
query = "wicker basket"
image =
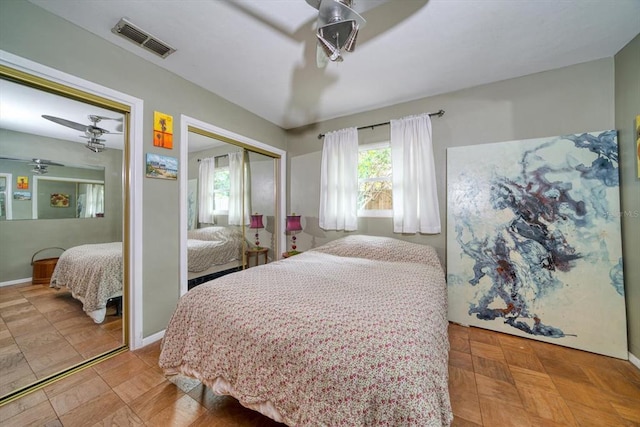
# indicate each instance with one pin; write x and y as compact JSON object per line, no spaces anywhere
{"x":43,"y":268}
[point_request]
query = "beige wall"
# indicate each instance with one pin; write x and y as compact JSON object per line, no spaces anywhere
{"x":31,"y":32}
{"x":568,"y":100}
{"x":627,"y":107}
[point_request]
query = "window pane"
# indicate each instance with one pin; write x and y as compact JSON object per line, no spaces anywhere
{"x":374,"y":175}
{"x":375,"y":195}
{"x":221,"y":189}
{"x":374,"y":163}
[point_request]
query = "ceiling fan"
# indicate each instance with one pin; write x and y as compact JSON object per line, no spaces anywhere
{"x":91,"y":131}
{"x":40,"y":165}
{"x":337,"y":29}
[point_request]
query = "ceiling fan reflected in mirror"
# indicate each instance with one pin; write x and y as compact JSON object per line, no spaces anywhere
{"x":40,"y":166}
{"x":91,"y":131}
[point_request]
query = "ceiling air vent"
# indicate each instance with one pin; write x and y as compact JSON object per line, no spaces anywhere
{"x":142,"y":38}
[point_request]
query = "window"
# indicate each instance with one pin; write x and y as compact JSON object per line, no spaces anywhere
{"x":221,"y":190}
{"x":374,"y":180}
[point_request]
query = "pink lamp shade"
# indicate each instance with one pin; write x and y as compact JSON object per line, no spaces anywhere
{"x":256,"y":223}
{"x":293,"y":223}
{"x":292,"y":227}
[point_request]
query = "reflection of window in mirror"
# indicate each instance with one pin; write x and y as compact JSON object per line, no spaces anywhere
{"x":5,"y":196}
{"x":83,"y":184}
{"x":82,"y":198}
{"x":221,"y":187}
{"x":90,"y":200}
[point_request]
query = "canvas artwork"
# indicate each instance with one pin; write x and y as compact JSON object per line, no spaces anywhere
{"x":162,"y":167}
{"x":162,"y":130}
{"x":534,"y":243}
{"x":59,"y":200}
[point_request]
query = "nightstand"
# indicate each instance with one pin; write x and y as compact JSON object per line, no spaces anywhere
{"x":255,"y":253}
{"x":290,"y":254}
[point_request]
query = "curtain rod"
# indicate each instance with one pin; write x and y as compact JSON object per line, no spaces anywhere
{"x":218,"y":157}
{"x":438,"y":114}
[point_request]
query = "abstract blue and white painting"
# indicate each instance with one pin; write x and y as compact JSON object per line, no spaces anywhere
{"x":534,"y":243}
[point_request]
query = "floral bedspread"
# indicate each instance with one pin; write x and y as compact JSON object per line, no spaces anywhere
{"x":353,"y":333}
{"x":211,"y":246}
{"x":93,"y":273}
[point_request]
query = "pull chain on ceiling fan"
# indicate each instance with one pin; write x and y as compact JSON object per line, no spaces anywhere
{"x":337,"y":29}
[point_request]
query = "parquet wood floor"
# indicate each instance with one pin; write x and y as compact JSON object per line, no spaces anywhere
{"x":43,"y":330}
{"x":495,"y":380}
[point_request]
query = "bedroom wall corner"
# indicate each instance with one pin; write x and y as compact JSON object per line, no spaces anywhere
{"x":627,"y":107}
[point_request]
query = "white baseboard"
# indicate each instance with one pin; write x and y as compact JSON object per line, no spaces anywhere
{"x":152,"y":338}
{"x":634,"y":360}
{"x":15,"y":282}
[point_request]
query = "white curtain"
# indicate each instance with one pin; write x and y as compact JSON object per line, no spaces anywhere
{"x":206,"y":172}
{"x":415,"y":197}
{"x":239,"y":179}
{"x":339,"y":181}
{"x":91,"y":201}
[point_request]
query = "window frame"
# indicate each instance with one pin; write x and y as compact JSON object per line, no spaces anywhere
{"x":375,"y":213}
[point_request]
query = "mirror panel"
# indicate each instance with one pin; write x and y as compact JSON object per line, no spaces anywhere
{"x":263,"y":201}
{"x":45,"y":330}
{"x":33,"y":191}
{"x":251,"y":190}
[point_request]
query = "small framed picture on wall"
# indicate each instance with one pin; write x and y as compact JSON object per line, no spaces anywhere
{"x":161,"y":167}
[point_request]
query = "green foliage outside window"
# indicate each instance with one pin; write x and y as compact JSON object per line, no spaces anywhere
{"x":221,"y":189}
{"x":374,"y":178}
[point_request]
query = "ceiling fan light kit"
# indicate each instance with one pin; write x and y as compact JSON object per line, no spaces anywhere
{"x":337,"y":29}
{"x":40,"y":169}
{"x":95,"y":145}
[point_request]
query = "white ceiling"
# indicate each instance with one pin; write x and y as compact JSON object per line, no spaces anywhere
{"x":260,"y":54}
{"x":22,"y":107}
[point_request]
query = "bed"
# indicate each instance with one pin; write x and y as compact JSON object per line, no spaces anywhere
{"x":93,"y":272}
{"x":213,"y":249}
{"x":351,"y":333}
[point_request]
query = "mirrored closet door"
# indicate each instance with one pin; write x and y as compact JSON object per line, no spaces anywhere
{"x":62,"y":163}
{"x":233,"y":213}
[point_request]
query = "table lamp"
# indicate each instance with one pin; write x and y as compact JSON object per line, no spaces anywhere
{"x":256,"y":223}
{"x":293,"y":227}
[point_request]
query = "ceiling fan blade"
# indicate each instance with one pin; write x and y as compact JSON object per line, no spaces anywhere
{"x":118,"y":119}
{"x":67,"y":123}
{"x":44,"y":162}
{"x":314,"y":3}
